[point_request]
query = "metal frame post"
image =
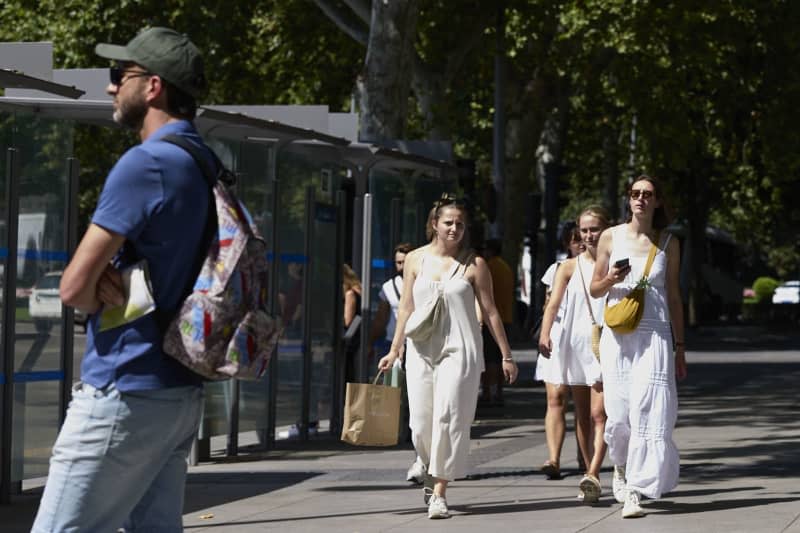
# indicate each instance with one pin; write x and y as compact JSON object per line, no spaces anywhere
{"x":339,"y":364}
{"x":366,"y":282}
{"x":9,"y":322}
{"x":272,"y":372}
{"x":68,"y":316}
{"x":306,"y":390}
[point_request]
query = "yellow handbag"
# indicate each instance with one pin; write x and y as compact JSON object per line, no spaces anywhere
{"x":625,"y":315}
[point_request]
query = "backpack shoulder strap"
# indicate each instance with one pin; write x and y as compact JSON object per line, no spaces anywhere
{"x":165,"y":316}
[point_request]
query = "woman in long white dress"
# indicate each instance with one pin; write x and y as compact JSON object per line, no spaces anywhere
{"x":443,"y":371}
{"x":639,"y":368}
{"x":568,"y":364}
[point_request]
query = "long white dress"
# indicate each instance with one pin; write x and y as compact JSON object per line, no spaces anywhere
{"x":571,"y":361}
{"x":443,"y":376}
{"x":641,"y":398}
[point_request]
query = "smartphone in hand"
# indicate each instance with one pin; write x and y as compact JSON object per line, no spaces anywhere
{"x":622,"y":263}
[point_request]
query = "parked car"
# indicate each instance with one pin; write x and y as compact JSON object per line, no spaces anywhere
{"x":787,"y":292}
{"x":44,"y":303}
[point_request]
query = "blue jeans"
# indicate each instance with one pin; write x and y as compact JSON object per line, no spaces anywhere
{"x":120,"y":460}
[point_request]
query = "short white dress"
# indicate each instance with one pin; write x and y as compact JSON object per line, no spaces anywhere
{"x":571,"y":361}
{"x":641,"y":398}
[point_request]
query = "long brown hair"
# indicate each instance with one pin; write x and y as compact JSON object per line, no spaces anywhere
{"x":663,"y":213}
{"x":447,"y":200}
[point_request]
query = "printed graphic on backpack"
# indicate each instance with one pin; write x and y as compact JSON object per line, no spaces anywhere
{"x":222,"y":329}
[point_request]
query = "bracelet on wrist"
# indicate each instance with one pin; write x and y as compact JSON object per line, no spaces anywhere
{"x":508,"y":359}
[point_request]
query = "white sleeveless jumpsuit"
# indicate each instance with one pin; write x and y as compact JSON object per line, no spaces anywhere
{"x":641,"y":398}
{"x":443,"y":376}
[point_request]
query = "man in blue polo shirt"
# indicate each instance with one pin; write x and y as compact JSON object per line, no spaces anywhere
{"x":120,"y":457}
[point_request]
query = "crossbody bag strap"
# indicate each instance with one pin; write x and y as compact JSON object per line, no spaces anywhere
{"x":585,"y":290}
{"x":652,"y":255}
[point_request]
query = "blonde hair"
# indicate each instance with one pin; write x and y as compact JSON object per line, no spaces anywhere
{"x":350,"y":278}
{"x":597,"y":211}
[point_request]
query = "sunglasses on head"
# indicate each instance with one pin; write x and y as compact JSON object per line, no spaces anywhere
{"x":116,"y":75}
{"x":645,"y":194}
{"x":448,"y":199}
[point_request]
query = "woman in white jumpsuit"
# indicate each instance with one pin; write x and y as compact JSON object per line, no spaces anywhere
{"x":639,"y":369}
{"x":568,"y":363}
{"x":443,"y":372}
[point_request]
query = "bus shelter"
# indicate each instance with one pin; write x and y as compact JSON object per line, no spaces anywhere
{"x":312,"y":195}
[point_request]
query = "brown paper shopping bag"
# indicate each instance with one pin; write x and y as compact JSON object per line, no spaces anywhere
{"x":371,"y":414}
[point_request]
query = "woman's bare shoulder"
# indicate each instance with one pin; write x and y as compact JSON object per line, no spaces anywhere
{"x":567,"y":267}
{"x":417,"y":253}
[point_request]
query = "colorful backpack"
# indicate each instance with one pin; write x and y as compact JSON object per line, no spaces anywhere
{"x":222,"y":329}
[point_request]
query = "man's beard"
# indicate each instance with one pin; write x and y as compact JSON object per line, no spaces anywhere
{"x":130,"y":113}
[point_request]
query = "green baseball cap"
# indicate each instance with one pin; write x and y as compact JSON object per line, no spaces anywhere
{"x":163,"y":52}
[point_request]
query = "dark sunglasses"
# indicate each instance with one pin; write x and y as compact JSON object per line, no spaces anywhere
{"x":636,"y":193}
{"x":116,"y":75}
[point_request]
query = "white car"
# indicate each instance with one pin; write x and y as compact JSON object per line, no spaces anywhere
{"x":44,"y":303}
{"x":787,"y":292}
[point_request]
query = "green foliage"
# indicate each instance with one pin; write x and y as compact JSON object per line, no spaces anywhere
{"x":764,"y":287}
{"x":711,"y":86}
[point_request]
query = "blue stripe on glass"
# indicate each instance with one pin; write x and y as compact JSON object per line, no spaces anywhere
{"x":45,"y":375}
{"x":290,"y":348}
{"x":381,"y":263}
{"x":2,"y":379}
{"x":288,"y":258}
{"x":37,"y":255}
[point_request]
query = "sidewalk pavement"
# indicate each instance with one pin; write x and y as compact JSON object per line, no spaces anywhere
{"x":738,"y":433}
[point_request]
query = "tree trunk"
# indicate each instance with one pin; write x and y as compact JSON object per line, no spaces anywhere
{"x":384,"y":85}
{"x":611,"y":168}
{"x":697,"y":183}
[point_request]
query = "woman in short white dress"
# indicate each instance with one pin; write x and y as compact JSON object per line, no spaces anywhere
{"x":568,"y":363}
{"x":639,"y":369}
{"x":443,"y":372}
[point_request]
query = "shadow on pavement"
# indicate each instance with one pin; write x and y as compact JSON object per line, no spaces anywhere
{"x":666,"y":507}
{"x":742,"y":338}
{"x":204,"y":490}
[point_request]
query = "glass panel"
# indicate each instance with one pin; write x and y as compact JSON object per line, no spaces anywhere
{"x":44,"y":146}
{"x":6,"y":129}
{"x":323,"y":314}
{"x":35,"y":428}
{"x":255,"y":191}
{"x":295,"y":173}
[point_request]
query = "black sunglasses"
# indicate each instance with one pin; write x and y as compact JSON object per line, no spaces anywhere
{"x":116,"y":74}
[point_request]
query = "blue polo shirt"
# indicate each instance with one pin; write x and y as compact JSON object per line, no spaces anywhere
{"x":156,"y":196}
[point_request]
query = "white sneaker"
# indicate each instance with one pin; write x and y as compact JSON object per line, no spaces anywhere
{"x":416,"y":474}
{"x":590,"y":488}
{"x":618,"y":483}
{"x":632,"y":508}
{"x":438,"y":508}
